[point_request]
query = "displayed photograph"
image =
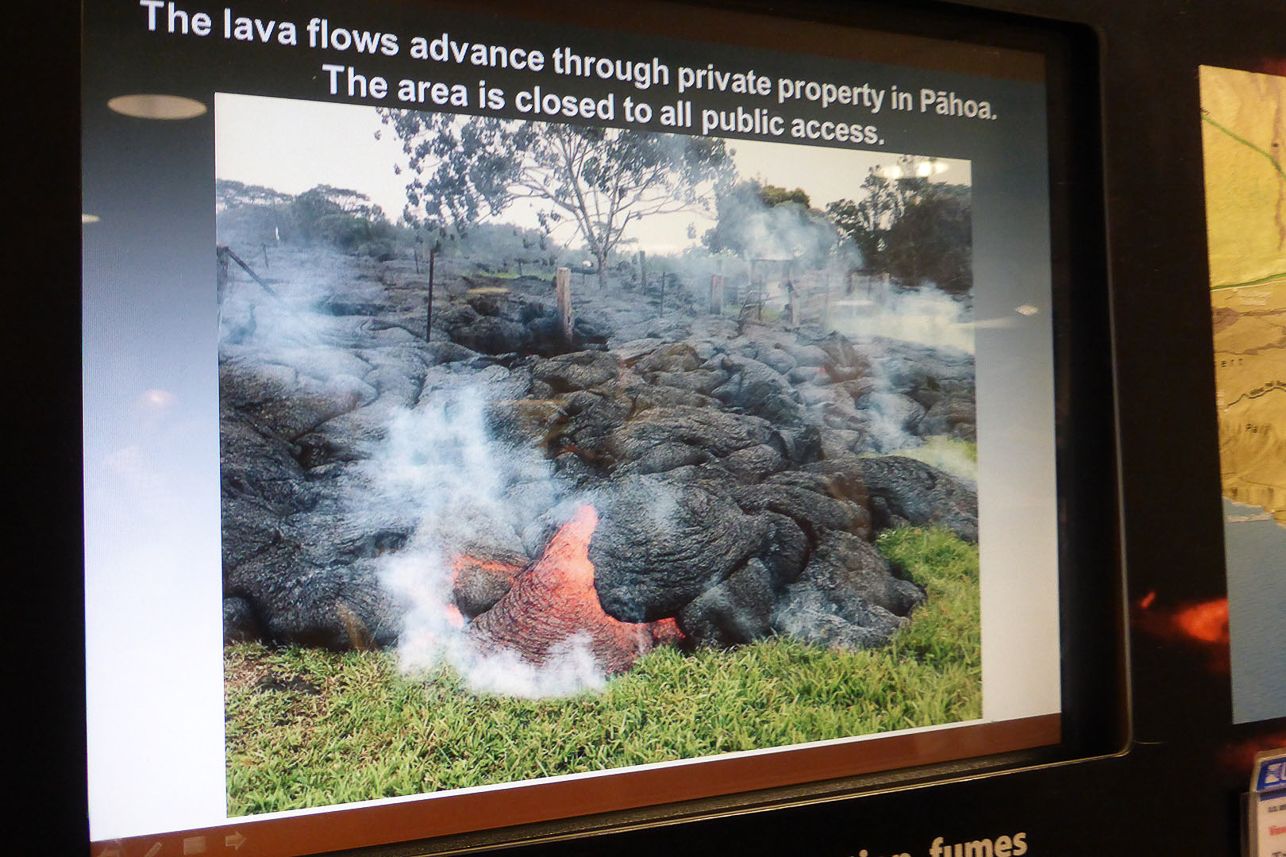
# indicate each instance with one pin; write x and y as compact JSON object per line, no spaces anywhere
{"x":553,"y":449}
{"x":1244,"y":183}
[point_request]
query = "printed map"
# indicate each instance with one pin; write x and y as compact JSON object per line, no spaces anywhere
{"x":1244,"y":142}
{"x":1244,"y":129}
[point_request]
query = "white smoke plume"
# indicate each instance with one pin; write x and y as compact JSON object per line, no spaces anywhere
{"x":877,"y":312}
{"x":466,"y":491}
{"x":926,"y":316}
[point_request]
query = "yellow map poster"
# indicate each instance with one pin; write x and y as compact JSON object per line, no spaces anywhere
{"x":1244,"y":140}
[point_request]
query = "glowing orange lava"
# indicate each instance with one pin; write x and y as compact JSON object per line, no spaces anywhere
{"x":665,"y":632}
{"x":454,"y":617}
{"x":553,"y":603}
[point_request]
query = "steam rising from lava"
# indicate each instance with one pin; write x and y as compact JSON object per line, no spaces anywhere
{"x":471,"y":495}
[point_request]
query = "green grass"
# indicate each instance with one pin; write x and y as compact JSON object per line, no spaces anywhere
{"x":310,"y":728}
{"x":946,"y":633}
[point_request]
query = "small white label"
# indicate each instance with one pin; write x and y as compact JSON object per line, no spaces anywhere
{"x":1270,"y":824}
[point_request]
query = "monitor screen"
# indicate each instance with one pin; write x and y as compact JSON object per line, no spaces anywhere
{"x":494,"y":418}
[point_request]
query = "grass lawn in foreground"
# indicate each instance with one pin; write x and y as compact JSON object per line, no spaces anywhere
{"x":308,"y":728}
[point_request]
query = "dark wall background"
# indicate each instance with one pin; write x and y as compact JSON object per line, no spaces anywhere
{"x":42,"y":670}
{"x":1175,"y":790}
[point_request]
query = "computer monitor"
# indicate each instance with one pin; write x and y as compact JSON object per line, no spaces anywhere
{"x":512,"y":418}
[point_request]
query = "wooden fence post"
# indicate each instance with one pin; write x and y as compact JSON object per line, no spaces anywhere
{"x":225,"y":253}
{"x":563,"y":293}
{"x":826,"y":303}
{"x":221,"y":253}
{"x":716,"y":294}
{"x":428,"y":318}
{"x":757,"y":280}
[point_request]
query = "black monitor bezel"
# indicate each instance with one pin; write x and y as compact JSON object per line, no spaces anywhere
{"x":1095,"y":701}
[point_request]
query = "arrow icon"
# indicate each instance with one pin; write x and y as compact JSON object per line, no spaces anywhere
{"x":234,"y":840}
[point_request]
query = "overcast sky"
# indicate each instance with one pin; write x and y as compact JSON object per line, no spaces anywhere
{"x":292,"y":146}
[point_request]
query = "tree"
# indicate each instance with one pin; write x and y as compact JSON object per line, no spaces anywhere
{"x":867,"y":221}
{"x":234,"y":194}
{"x":932,"y":240}
{"x":601,"y":180}
{"x":765,"y":221}
{"x":910,"y":227}
{"x":773,"y":196}
{"x":253,"y":213}
{"x":339,"y":216}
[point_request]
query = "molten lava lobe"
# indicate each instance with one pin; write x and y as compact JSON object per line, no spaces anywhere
{"x":553,"y":605}
{"x":666,"y":632}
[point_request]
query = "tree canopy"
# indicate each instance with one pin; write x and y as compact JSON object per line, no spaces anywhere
{"x":910,"y":227}
{"x":339,"y":216}
{"x":601,"y":180}
{"x":763,"y":221}
{"x":234,"y":194}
